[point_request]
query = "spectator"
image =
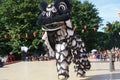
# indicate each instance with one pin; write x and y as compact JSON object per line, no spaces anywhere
{"x":1,"y":63}
{"x":11,"y":57}
{"x":118,"y":57}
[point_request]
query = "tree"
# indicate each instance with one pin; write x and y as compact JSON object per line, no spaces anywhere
{"x":113,"y":31}
{"x":18,"y":17}
{"x":18,"y":20}
{"x":102,"y":41}
{"x":86,"y":20}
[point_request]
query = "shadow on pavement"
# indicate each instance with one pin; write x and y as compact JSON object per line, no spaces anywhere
{"x":111,"y":76}
{"x":99,"y":69}
{"x":99,"y":61}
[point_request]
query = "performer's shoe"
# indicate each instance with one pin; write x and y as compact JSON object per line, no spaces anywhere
{"x":81,"y":76}
{"x":62,"y":77}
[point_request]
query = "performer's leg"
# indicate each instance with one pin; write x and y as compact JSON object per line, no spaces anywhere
{"x":79,"y":68}
{"x":82,"y":64}
{"x":78,"y":52}
{"x":63,"y":59}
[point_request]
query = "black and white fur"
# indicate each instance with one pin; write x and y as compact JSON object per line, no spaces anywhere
{"x":60,"y":39}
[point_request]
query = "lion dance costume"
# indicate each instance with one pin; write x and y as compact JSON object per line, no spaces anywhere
{"x":60,"y":39}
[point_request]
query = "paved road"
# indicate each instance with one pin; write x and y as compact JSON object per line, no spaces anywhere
{"x":46,"y":70}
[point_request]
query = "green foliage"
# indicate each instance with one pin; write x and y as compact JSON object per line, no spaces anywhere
{"x":112,"y":27}
{"x":114,"y":34}
{"x":20,"y":16}
{"x":85,"y":14}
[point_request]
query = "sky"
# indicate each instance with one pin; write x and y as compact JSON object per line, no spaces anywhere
{"x":108,"y":10}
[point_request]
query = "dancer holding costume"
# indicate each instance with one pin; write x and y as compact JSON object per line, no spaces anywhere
{"x":60,"y":39}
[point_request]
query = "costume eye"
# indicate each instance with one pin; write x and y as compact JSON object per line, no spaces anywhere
{"x":62,"y":6}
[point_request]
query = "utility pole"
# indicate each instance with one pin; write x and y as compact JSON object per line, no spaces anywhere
{"x":111,"y":61}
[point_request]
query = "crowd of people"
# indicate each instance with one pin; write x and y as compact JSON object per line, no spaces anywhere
{"x":105,"y":55}
{"x":24,"y":56}
{"x":35,"y":56}
{"x":42,"y":56}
